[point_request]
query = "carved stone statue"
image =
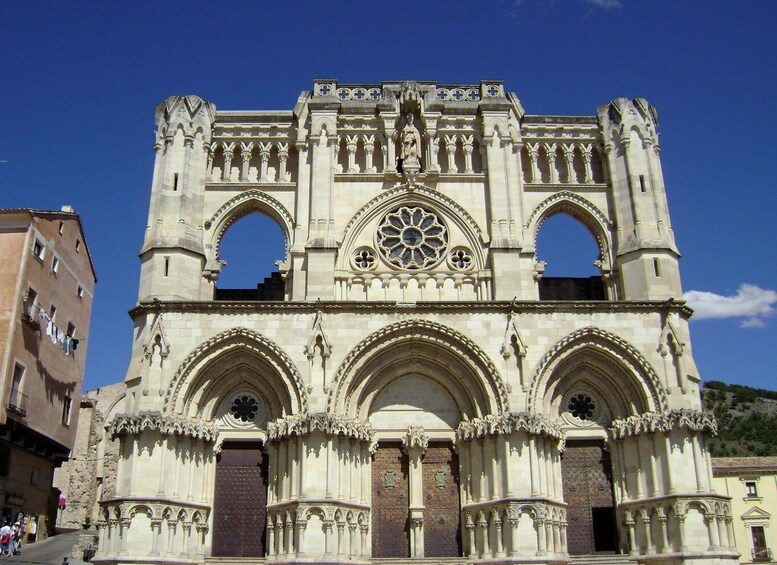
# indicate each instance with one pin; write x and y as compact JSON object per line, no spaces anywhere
{"x":411,"y":141}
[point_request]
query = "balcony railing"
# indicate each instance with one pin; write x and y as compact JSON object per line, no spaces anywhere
{"x":761,"y":554}
{"x":17,"y":402}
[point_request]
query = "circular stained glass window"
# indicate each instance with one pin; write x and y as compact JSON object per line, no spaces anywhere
{"x":582,"y":406}
{"x":412,"y":237}
{"x":244,"y":408}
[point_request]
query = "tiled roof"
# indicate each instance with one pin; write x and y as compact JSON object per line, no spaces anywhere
{"x":731,"y":464}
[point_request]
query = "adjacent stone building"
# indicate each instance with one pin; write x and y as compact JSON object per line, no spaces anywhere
{"x":46,"y":287}
{"x":90,"y":473}
{"x":409,"y":385}
{"x":751,"y":482}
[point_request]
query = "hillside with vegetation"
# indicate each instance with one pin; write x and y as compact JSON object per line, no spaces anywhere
{"x":747,"y":419}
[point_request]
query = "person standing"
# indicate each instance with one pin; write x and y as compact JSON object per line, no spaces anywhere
{"x":16,"y":539}
{"x":5,"y":538}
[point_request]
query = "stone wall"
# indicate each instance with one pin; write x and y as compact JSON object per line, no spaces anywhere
{"x":90,"y":474}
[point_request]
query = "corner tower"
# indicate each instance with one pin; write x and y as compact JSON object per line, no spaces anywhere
{"x":173,"y":255}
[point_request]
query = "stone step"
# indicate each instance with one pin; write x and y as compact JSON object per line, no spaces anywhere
{"x":426,"y":560}
{"x":234,"y":560}
{"x":601,"y":559}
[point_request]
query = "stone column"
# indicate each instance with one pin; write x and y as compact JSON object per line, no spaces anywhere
{"x":470,"y":526}
{"x":369,"y":148}
{"x":156,"y":532}
{"x":270,"y":538}
{"x":468,"y":147}
{"x":539,"y":525}
{"x":533,"y":150}
{"x":415,"y":443}
{"x":648,"y":532}
{"x":485,"y":535}
{"x":698,"y":464}
{"x":712,"y":530}
{"x":124,"y":526}
{"x":587,"y":154}
{"x":550,"y":151}
{"x":264,"y":159}
{"x":668,"y":449}
{"x":283,"y":157}
{"x":569,"y":155}
{"x":498,"y":546}
{"x":228,"y":154}
{"x":351,"y":145}
{"x":633,"y":549}
{"x":450,"y":148}
{"x":328,"y":525}
{"x":246,"y":156}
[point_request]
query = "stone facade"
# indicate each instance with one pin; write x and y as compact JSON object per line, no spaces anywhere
{"x":46,"y":289}
{"x":413,"y":389}
{"x":90,"y":473}
{"x":751,"y":482}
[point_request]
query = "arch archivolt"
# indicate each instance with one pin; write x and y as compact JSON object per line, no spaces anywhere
{"x":423,"y":348}
{"x":600,"y":360}
{"x":239,"y":207}
{"x":582,"y":210}
{"x":452,"y":212}
{"x":259,"y":364}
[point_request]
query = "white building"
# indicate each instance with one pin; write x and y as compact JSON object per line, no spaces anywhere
{"x":409,"y":385}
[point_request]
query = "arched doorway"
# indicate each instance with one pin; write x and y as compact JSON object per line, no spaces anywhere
{"x":415,"y":485}
{"x":240,"y":500}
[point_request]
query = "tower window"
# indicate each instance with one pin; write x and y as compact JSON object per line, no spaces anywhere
{"x":55,"y":265}
{"x":642,"y":183}
{"x":175,"y":182}
{"x":167,"y":266}
{"x":67,"y":404}
{"x":750,"y":489}
{"x":38,"y":249}
{"x":656,"y":268}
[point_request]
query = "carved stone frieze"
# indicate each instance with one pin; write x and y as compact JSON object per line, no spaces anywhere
{"x":283,"y":428}
{"x":415,"y":438}
{"x":134,"y":424}
{"x":651,"y":422}
{"x":502,"y":424}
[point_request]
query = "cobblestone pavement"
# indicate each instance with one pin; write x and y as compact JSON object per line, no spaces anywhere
{"x":50,"y":551}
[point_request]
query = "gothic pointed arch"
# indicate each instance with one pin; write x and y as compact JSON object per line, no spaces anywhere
{"x":600,"y":361}
{"x":253,"y":358}
{"x":433,"y":350}
{"x":235,"y":209}
{"x":419,"y":195}
{"x":582,"y":210}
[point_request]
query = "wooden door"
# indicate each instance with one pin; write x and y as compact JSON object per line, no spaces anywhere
{"x":390,"y":531}
{"x":442,"y":523}
{"x":240,"y":502}
{"x":586,"y":473}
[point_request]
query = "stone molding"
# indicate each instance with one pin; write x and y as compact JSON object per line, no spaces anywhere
{"x":616,"y":347}
{"x":157,"y":508}
{"x":504,"y":424}
{"x":709,"y":504}
{"x":446,"y":308}
{"x":250,"y":340}
{"x":289,"y":426}
{"x":136,"y":424}
{"x":421,"y":330}
{"x":651,"y":422}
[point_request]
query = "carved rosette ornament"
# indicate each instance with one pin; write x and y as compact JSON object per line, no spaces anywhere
{"x":651,"y":422}
{"x":134,"y":424}
{"x":503,"y":424}
{"x":412,"y":238}
{"x":289,"y":426}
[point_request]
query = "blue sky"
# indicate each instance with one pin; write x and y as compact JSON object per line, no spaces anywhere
{"x":80,"y":81}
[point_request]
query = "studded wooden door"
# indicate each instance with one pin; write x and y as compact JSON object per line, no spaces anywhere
{"x":442,"y":526}
{"x":240,"y":504}
{"x":390,"y":502}
{"x":587,"y":479}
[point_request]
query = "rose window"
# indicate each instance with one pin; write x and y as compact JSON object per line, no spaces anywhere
{"x":582,"y":406}
{"x":244,"y":408}
{"x":412,"y":238}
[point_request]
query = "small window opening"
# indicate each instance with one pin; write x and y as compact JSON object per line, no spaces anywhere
{"x":80,"y":291}
{"x":167,"y":266}
{"x":52,"y":312}
{"x":71,"y":329}
{"x":66,"y":406}
{"x":34,"y":477}
{"x":55,"y":265}
{"x":750,"y":489}
{"x":61,"y":227}
{"x":656,"y":267}
{"x":78,"y":246}
{"x":38,"y":249}
{"x":642,"y":183}
{"x":175,"y":182}
{"x":32,"y":297}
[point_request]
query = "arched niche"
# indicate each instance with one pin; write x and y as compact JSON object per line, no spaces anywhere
{"x":426,"y":349}
{"x":595,"y":360}
{"x":236,"y":358}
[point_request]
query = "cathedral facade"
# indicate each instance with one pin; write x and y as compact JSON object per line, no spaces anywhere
{"x":409,"y":386}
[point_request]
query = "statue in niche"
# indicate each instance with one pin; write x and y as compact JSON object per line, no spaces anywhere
{"x":411,"y":141}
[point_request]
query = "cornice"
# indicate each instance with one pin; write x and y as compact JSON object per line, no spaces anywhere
{"x":492,"y":425}
{"x":135,"y":424}
{"x":289,"y":426}
{"x":651,"y":422}
{"x":439,"y":308}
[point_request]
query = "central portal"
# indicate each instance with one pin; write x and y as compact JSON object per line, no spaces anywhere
{"x":587,"y":477}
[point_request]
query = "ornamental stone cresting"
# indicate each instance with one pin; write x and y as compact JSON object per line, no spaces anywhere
{"x":410,"y":386}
